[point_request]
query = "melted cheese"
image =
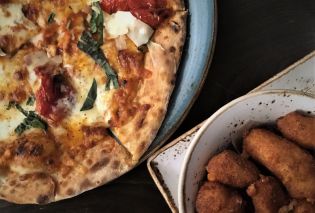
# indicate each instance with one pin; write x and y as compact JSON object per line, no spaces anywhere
{"x":124,"y":23}
{"x":15,"y":24}
{"x":11,"y":15}
{"x":10,"y":119}
{"x":36,"y":59}
{"x":99,"y":113}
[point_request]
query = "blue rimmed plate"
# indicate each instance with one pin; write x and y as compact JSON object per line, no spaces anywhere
{"x":195,"y":62}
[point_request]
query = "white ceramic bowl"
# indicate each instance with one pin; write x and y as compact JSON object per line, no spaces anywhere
{"x":228,"y":125}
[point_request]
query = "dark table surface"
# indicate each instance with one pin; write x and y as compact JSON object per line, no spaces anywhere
{"x":255,"y":40}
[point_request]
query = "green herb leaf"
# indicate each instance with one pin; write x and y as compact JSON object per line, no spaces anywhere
{"x":91,"y":97}
{"x":32,"y":120}
{"x":97,"y":21}
{"x":91,"y":47}
{"x":51,"y":18}
{"x":30,"y":101}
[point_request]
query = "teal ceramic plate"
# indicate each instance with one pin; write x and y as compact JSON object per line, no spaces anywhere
{"x":197,"y":55}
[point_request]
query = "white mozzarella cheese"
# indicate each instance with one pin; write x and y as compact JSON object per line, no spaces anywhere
{"x":124,"y":23}
{"x":36,"y":59}
{"x":11,"y":15}
{"x":10,"y":119}
{"x":13,"y":22}
{"x":99,"y":113}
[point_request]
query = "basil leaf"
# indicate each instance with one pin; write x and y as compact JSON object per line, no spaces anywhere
{"x":51,"y":18}
{"x":21,"y":128}
{"x":10,"y":105}
{"x":30,"y":101}
{"x":91,"y":97}
{"x":97,"y":21}
{"x":32,"y":120}
{"x":91,"y":47}
{"x":23,"y":111}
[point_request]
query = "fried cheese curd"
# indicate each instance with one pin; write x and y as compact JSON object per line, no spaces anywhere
{"x":298,"y":128}
{"x":214,"y":197}
{"x":268,"y":195}
{"x":231,"y":169}
{"x":294,"y":166}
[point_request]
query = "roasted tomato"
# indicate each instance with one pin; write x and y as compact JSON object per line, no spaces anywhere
{"x":152,"y":12}
{"x":54,"y":94}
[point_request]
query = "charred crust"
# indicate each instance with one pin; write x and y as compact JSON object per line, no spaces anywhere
{"x":142,"y":145}
{"x":100,"y":164}
{"x":12,"y":183}
{"x":86,"y":184}
{"x":42,"y":199}
{"x":24,"y":148}
{"x":175,"y":26}
{"x":50,"y":161}
{"x":89,"y":161}
{"x":94,"y":130}
{"x":172,"y":49}
{"x":36,"y":150}
{"x":20,"y":149}
{"x":70,"y":191}
{"x":115,"y":164}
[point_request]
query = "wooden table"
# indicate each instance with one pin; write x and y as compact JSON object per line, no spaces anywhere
{"x":256,"y":39}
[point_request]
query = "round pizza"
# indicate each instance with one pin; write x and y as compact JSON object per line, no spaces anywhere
{"x":84,"y":88}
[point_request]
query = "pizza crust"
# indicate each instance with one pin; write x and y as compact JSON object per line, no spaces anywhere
{"x":162,"y":59}
{"x":98,"y":165}
{"x":37,"y":188}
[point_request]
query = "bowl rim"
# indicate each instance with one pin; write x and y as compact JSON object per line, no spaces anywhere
{"x":183,"y":171}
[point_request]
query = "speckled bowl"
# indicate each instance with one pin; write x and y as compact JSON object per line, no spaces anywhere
{"x":227,"y":126}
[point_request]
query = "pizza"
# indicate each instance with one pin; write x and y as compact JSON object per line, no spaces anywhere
{"x":84,"y":88}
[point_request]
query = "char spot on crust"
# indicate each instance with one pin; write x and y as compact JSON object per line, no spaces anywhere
{"x":102,"y":163}
{"x":89,"y":161}
{"x":160,"y":112}
{"x":172,"y":49}
{"x":37,"y":150}
{"x":70,"y":191}
{"x":140,"y":122}
{"x":42,"y":199}
{"x":12,"y":182}
{"x":23,"y":177}
{"x":86,"y":184}
{"x":142,"y":145}
{"x":12,"y":191}
{"x":115,"y":164}
{"x":175,"y":26}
